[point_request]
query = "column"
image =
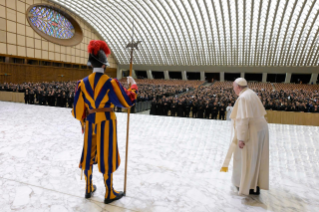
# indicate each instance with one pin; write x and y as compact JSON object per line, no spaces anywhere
{"x":242,"y":74}
{"x":313,"y":78}
{"x":288,"y":78}
{"x":264,"y":77}
{"x":202,"y":76}
{"x":134,"y":74}
{"x":149,"y":74}
{"x":119,"y":73}
{"x":184,"y":75}
{"x":166,"y":75}
{"x":222,"y":77}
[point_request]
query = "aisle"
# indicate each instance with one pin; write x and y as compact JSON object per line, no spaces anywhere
{"x":173,"y":165}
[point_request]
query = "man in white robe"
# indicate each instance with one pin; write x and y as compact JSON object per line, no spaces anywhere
{"x":229,"y":109}
{"x":250,"y":143}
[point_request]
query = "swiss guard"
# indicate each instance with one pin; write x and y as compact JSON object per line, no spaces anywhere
{"x":94,"y":102}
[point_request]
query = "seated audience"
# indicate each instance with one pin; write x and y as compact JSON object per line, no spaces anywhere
{"x":182,"y":98}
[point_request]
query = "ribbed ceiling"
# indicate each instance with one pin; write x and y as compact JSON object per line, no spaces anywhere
{"x":207,"y":32}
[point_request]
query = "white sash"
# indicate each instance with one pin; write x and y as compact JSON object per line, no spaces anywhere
{"x":231,"y":148}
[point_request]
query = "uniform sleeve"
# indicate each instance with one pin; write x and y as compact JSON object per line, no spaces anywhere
{"x":79,"y":110}
{"x":121,"y":97}
{"x":242,"y":129}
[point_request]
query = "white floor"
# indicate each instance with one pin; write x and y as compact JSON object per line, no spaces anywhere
{"x":173,"y":165}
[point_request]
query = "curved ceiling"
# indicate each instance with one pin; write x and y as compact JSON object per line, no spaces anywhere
{"x":207,"y":32}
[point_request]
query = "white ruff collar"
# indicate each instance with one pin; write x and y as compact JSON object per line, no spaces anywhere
{"x":99,"y":70}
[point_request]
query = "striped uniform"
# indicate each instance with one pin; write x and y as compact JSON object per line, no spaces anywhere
{"x":100,"y":91}
{"x":100,"y":138}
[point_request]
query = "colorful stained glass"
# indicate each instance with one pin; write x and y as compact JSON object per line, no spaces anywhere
{"x":51,"y":22}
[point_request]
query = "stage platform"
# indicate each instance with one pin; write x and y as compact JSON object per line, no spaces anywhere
{"x":173,"y":165}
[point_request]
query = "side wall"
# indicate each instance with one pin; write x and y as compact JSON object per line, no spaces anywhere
{"x":18,"y":39}
{"x":17,"y":73}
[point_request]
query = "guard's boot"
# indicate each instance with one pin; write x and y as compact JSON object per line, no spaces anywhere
{"x":111,"y":194}
{"x":90,"y":194}
{"x":90,"y":188}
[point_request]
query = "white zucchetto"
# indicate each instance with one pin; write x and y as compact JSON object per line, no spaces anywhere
{"x":241,"y":81}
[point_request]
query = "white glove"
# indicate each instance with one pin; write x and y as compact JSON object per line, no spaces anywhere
{"x":131,"y":81}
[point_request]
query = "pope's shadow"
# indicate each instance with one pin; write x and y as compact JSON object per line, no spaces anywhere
{"x":274,"y":200}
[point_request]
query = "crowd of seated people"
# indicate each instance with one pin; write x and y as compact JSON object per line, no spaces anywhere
{"x":62,"y":93}
{"x":59,"y":94}
{"x":208,"y":102}
{"x":158,"y":88}
{"x":183,"y":98}
{"x":211,"y":101}
{"x":292,"y":97}
{"x":149,"y":89}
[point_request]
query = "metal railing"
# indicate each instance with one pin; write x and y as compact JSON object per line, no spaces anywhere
{"x":142,"y":106}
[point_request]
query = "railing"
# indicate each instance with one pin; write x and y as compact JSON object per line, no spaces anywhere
{"x":297,"y":118}
{"x":139,"y":107}
{"x":142,"y":106}
{"x":282,"y":117}
{"x":11,"y":96}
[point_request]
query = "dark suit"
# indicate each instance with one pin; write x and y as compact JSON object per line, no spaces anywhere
{"x":200,"y":111}
{"x":187,"y":108}
{"x":207,"y":110}
{"x":173,"y":109}
{"x":153,"y":108}
{"x":214,"y":111}
{"x":222,"y":110}
{"x":180,"y":110}
{"x":165,"y":108}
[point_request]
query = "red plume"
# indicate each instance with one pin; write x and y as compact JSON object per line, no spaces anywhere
{"x":97,"y":45}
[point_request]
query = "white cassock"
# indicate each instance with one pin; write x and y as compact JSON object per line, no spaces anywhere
{"x":251,"y":164}
{"x":229,"y":109}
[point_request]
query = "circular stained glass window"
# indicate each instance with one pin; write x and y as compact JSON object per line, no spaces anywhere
{"x":51,"y":22}
{"x":54,"y":25}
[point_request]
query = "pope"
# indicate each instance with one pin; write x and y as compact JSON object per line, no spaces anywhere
{"x":250,"y":144}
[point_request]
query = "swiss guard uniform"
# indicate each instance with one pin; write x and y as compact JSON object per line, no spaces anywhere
{"x":94,"y":102}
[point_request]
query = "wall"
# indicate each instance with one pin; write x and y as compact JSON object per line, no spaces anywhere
{"x":19,"y":39}
{"x":221,"y":70}
{"x":227,"y":69}
{"x":17,"y":73}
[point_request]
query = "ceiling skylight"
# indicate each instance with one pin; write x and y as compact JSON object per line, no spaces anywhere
{"x":207,"y":32}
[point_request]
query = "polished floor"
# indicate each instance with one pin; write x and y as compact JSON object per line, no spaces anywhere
{"x":173,"y":165}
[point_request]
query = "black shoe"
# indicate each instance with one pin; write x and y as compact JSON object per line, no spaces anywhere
{"x":119,"y":196}
{"x":252,"y":192}
{"x":88,"y":195}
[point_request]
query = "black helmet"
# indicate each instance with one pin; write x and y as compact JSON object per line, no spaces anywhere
{"x":98,"y":52}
